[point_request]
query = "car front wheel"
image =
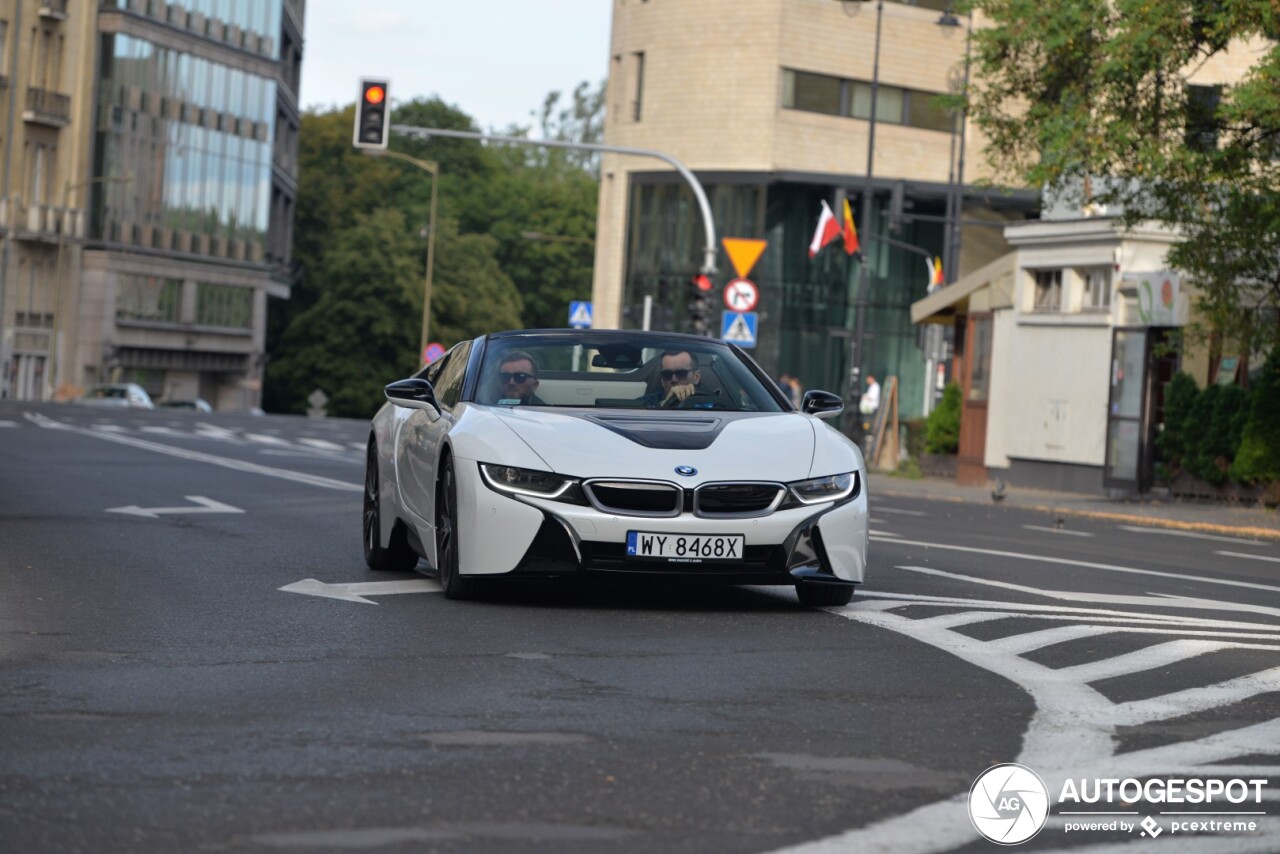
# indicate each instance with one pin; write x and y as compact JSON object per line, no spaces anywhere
{"x":451,"y":580}
{"x":398,"y":556}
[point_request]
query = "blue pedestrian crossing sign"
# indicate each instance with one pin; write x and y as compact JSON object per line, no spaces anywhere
{"x":739,"y":327}
{"x":580,"y":315}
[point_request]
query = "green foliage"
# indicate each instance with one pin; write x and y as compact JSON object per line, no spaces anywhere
{"x":1094,"y":97}
{"x":1258,"y":459}
{"x":1176,"y":441}
{"x":942,"y":430}
{"x":1222,"y":431}
{"x":364,"y":329}
{"x":360,"y":247}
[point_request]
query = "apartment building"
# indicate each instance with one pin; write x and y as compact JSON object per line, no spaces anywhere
{"x":149,"y":178}
{"x":768,"y":102}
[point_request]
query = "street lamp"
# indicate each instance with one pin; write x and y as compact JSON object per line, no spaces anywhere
{"x":955,"y":187}
{"x":860,"y":305}
{"x":53,"y":380}
{"x":432,"y":167}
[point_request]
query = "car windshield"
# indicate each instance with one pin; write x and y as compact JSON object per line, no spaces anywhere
{"x":104,"y":392}
{"x":619,"y":370}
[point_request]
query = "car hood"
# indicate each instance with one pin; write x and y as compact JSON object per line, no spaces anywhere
{"x":721,"y":446}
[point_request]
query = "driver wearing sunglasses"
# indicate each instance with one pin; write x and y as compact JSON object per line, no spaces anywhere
{"x":680,"y":377}
{"x":517,"y":380}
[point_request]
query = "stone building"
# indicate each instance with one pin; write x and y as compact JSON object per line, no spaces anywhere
{"x":149,"y":170}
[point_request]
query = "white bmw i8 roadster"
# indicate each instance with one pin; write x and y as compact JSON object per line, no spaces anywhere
{"x":561,"y":452}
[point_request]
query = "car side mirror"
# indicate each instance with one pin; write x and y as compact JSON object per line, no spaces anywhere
{"x":413,"y":393}
{"x":823,"y":404}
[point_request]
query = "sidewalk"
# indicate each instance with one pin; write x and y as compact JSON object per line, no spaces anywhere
{"x":1210,"y":518}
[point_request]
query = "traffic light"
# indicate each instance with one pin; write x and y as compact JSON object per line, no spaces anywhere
{"x":373,"y":123}
{"x":700,"y":305}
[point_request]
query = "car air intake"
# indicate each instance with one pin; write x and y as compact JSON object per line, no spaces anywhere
{"x":737,"y":499}
{"x":635,"y":497}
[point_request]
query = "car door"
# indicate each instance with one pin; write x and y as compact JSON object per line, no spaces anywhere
{"x":423,"y":434}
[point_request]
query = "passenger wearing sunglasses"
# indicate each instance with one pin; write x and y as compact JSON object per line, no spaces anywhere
{"x":517,"y":380}
{"x":680,"y":377}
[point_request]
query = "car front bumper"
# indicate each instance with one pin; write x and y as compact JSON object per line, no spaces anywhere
{"x":527,"y":535}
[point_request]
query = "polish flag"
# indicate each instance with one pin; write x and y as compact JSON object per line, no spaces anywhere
{"x":828,"y":230}
{"x":850,"y":232}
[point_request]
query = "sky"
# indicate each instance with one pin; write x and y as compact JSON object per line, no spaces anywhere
{"x":494,"y":59}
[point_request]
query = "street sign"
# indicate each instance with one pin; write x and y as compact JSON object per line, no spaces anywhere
{"x":743,"y":254}
{"x":580,"y":315}
{"x":431,"y":352}
{"x":739,"y":327}
{"x":741,"y":295}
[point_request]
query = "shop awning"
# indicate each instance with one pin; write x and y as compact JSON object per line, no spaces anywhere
{"x":984,"y":289}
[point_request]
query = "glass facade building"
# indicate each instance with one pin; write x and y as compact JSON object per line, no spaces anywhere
{"x":194,"y":137}
{"x":808,"y":305}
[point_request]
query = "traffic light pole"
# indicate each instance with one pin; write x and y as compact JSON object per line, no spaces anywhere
{"x":432,"y":167}
{"x":708,"y":222}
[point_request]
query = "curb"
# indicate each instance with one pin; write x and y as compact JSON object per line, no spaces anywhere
{"x":1249,"y":531}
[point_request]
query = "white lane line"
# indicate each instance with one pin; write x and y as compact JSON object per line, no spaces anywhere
{"x":1192,"y":534}
{"x":1029,"y":641}
{"x":322,"y":444}
{"x":8,"y":423}
{"x":1194,"y":700}
{"x":1155,"y":600}
{"x":164,"y":431}
{"x":1160,"y":655}
{"x":1199,"y":579}
{"x":1251,"y":557}
{"x":196,"y":456}
{"x":882,"y":509}
{"x":263,"y":439}
{"x":965,"y":618}
{"x":110,"y":428}
{"x":359,"y":446}
{"x":888,"y":534}
{"x":1049,"y":530}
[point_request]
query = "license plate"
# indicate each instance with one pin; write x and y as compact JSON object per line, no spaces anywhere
{"x":684,"y":548}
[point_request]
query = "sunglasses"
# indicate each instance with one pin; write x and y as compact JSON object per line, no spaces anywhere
{"x":681,"y":374}
{"x":514,"y":377}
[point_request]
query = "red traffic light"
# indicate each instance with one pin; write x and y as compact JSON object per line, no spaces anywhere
{"x":703,"y":282}
{"x":375,"y":94}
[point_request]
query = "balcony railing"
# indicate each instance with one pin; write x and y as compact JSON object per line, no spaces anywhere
{"x":47,"y":107}
{"x":43,"y":223}
{"x":55,"y":9}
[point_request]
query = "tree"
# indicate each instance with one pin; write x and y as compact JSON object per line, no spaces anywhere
{"x":1107,"y":101}
{"x":355,"y":209}
{"x":364,"y":329}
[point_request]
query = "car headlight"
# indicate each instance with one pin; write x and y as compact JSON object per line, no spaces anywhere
{"x":832,"y":487}
{"x":518,"y":481}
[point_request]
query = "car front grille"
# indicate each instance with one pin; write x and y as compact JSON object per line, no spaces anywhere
{"x":635,"y":497}
{"x":718,"y":500}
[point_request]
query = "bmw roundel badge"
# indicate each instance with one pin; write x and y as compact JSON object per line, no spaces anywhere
{"x":686,"y":471}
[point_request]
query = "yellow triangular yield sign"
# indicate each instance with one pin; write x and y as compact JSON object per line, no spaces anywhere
{"x":743,"y":253}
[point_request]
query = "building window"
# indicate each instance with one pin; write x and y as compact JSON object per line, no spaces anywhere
{"x":228,"y":306}
{"x":1097,"y":288}
{"x":637,"y":89}
{"x":1048,"y":290}
{"x":836,"y":96}
{"x":1202,"y":120}
{"x":813,"y":93}
{"x":149,"y":299}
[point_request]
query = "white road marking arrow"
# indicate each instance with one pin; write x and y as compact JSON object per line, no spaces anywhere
{"x":357,"y":591}
{"x":204,"y":505}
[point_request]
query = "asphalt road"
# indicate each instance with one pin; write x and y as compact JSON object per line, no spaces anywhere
{"x":159,"y":691}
